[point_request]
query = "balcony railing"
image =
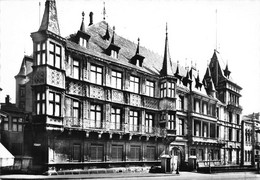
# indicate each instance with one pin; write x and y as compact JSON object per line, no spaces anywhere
{"x":89,"y":124}
{"x":231,"y":103}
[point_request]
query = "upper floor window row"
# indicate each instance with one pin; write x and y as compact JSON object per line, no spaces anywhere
{"x":51,"y":57}
{"x":97,"y":73}
{"x":167,"y":89}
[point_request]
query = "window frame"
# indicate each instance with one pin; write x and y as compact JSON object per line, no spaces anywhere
{"x":149,"y":88}
{"x":96,"y":72}
{"x":40,"y":103}
{"x":134,"y":84}
{"x":97,"y":112}
{"x":56,"y":53}
{"x":55,"y":104}
{"x":149,"y":122}
{"x":116,"y":118}
{"x":134,"y":120}
{"x":116,"y":81}
{"x":41,"y":53}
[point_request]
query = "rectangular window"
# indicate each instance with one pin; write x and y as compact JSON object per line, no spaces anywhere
{"x":17,"y":125}
{"x":171,"y":88}
{"x":181,"y":127}
{"x":205,"y":108}
{"x":134,"y":84}
{"x":212,"y":130}
{"x":238,"y":135}
{"x":117,"y":153}
{"x":196,"y":106}
{"x":197,"y":128}
{"x":6,"y":124}
{"x":171,"y":121}
{"x":238,"y":119}
{"x":54,"y":104}
{"x":181,"y":102}
{"x":201,"y":154}
{"x":193,"y":152}
{"x":76,"y":115}
{"x":205,"y":129}
{"x":150,"y":153}
{"x":135,"y":152}
{"x":163,"y":90}
{"x":95,"y":115}
{"x":116,"y":118}
{"x":133,"y":121}
{"x":116,"y":80}
{"x":22,"y":90}
{"x":149,"y":120}
{"x":41,"y":53}
{"x":96,"y":153}
{"x":76,"y":71}
{"x":76,"y":152}
{"x":230,"y":138}
{"x":96,"y":74}
{"x":230,"y":117}
{"x":149,"y":86}
{"x":40,"y":103}
{"x":54,"y":55}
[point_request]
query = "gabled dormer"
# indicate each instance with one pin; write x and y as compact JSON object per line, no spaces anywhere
{"x":187,"y":80}
{"x":82,"y":36}
{"x":137,"y":59}
{"x":113,"y":49}
{"x":198,"y":84}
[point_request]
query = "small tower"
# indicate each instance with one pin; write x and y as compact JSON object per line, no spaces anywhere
{"x":167,"y":104}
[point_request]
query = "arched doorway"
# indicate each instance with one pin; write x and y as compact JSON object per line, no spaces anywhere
{"x":177,"y":153}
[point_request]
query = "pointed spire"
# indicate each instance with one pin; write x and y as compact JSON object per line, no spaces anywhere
{"x":113,"y":36}
{"x":50,"y":18}
{"x":137,"y":49}
{"x":82,"y":27}
{"x":22,"y":71}
{"x":226,"y":71}
{"x":107,"y":36}
{"x":104,"y":11}
{"x":167,"y":63}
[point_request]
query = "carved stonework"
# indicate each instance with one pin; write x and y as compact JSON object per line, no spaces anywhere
{"x":39,"y":76}
{"x":96,"y":92}
{"x":117,"y":96}
{"x":135,"y":100}
{"x":75,"y":88}
{"x":151,"y":103}
{"x":55,"y":78}
{"x":167,"y":105}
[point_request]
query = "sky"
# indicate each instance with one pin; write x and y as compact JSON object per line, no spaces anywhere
{"x":195,"y":29}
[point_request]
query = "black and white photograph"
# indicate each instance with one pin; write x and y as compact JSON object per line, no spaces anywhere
{"x":130,"y":89}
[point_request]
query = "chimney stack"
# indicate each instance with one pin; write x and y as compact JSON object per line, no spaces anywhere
{"x":90,"y":18}
{"x":7,"y":99}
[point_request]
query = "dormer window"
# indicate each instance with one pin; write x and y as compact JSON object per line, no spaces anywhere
{"x":113,"y":49}
{"x":137,"y":59}
{"x":82,"y":35}
{"x":83,"y":42}
{"x":114,"y":54}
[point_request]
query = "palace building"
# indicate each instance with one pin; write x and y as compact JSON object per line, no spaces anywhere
{"x":99,"y":100}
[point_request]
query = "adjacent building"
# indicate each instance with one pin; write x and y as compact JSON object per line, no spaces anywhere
{"x":97,"y":99}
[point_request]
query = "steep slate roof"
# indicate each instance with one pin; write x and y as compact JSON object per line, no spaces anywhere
{"x":97,"y":45}
{"x":153,"y":63}
{"x":217,"y":58}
